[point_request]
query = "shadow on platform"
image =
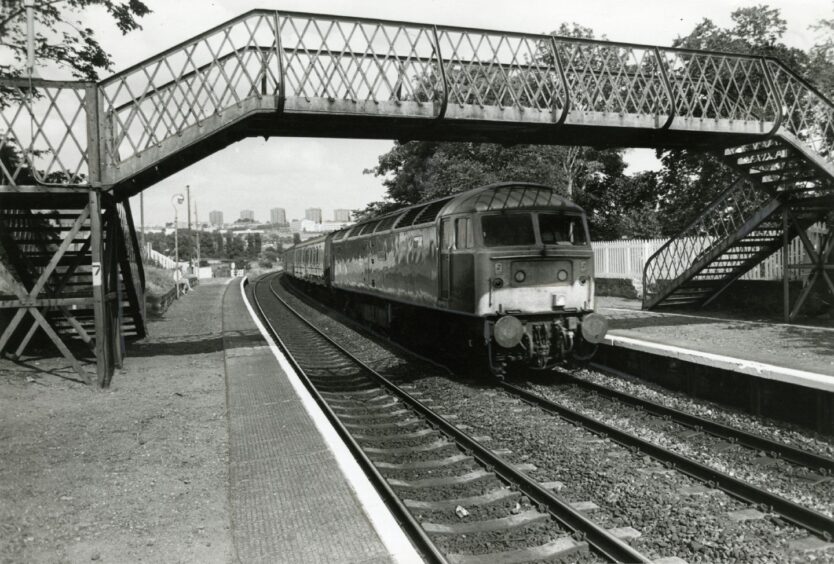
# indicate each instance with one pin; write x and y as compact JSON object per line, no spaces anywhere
{"x":196,"y":344}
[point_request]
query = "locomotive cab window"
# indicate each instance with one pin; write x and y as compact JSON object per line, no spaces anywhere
{"x":562,"y":229}
{"x":464,"y":236}
{"x":508,"y":229}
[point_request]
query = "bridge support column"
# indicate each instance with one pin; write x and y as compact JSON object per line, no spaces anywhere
{"x":819,"y":267}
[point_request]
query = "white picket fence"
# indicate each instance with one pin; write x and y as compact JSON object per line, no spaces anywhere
{"x":626,"y":258}
{"x":157,"y":258}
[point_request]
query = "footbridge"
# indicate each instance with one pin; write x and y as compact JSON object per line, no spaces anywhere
{"x":74,"y":152}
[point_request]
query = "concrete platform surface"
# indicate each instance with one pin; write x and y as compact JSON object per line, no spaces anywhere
{"x":291,"y":500}
{"x":798,"y":354}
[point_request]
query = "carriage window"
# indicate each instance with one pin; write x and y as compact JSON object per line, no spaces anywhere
{"x":508,"y":229}
{"x":464,"y":237}
{"x":561,"y":229}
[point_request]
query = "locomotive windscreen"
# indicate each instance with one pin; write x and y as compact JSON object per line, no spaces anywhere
{"x":508,"y":229}
{"x":561,"y":229}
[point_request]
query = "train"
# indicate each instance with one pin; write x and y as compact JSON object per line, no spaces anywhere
{"x":504,"y":272}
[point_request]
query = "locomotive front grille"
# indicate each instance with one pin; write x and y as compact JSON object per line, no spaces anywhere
{"x":541,"y":272}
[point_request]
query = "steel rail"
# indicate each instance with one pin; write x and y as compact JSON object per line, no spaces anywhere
{"x":804,"y":517}
{"x":608,"y":545}
{"x":750,"y":440}
{"x":415,"y":531}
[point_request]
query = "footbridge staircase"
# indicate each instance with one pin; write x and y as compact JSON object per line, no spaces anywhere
{"x":84,"y":145}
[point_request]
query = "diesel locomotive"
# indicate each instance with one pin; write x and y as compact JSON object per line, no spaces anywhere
{"x":505,"y":270}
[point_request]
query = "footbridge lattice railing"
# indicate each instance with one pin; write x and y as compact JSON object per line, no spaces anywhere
{"x":79,"y":134}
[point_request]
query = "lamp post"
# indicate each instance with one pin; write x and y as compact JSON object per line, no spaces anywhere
{"x":197,"y":225}
{"x":177,"y":199}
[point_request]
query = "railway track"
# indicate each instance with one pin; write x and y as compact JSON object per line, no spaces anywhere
{"x":809,"y":519}
{"x":459,"y":500}
{"x":715,"y":429}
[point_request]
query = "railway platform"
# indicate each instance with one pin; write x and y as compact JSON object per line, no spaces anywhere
{"x":785,"y":371}
{"x":296,"y":494}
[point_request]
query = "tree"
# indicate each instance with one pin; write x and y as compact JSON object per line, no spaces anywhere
{"x":623,"y":206}
{"x":690,"y":180}
{"x":418,"y":170}
{"x":61,"y":37}
{"x":821,"y":64}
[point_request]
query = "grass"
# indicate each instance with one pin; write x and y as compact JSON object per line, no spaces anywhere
{"x":158,"y":280}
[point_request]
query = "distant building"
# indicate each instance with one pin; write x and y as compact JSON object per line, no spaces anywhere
{"x":247,"y":214}
{"x":295,"y":226}
{"x":278,"y":216}
{"x":216,"y":218}
{"x":329,"y":226}
{"x":341,"y":216}
{"x":313,"y":214}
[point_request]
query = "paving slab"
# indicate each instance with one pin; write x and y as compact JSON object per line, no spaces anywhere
{"x":758,"y":347}
{"x":290,"y":501}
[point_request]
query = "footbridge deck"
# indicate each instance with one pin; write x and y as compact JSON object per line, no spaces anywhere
{"x":294,"y":74}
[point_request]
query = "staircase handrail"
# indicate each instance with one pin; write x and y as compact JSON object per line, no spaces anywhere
{"x":690,"y":226}
{"x":805,"y":82}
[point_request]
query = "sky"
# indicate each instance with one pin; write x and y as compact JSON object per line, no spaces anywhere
{"x":297,"y":173}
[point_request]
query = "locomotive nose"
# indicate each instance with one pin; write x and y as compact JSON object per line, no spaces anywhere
{"x":508,"y":331}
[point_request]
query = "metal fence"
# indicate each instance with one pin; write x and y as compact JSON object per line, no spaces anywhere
{"x":625,"y":258}
{"x":78,"y":133}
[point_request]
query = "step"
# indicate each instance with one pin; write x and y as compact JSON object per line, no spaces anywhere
{"x":782,"y":170}
{"x":670,"y":300}
{"x":558,"y":549}
{"x":756,"y":149}
{"x":790,"y":158}
{"x":781,"y":182}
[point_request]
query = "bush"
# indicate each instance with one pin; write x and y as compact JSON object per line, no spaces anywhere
{"x":158,"y":280}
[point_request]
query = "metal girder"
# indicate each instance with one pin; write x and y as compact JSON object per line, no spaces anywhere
{"x":29,"y":301}
{"x":819,"y":267}
{"x":412,"y":75}
{"x":54,"y":268}
{"x":739,"y":220}
{"x":287,"y":73}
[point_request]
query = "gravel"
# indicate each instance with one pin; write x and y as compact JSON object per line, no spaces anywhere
{"x":777,"y":476}
{"x":630,"y":490}
{"x":777,"y":431}
{"x":364,"y":408}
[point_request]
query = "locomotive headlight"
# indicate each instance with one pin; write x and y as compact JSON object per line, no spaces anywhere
{"x":508,"y":331}
{"x":520,"y":276}
{"x":497,"y":282}
{"x":562,"y":275}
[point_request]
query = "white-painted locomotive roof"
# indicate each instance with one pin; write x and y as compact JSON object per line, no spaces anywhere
{"x":509,"y":195}
{"x":499,"y":196}
{"x":493,"y":197}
